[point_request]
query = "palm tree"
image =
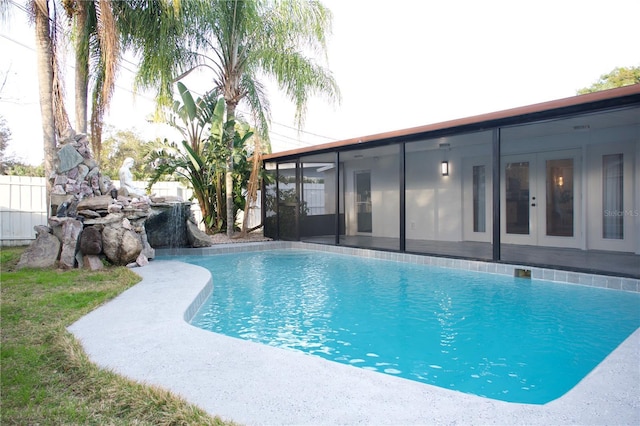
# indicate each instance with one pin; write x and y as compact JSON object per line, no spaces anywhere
{"x":54,"y":117}
{"x":104,"y":29}
{"x":97,"y":53}
{"x":78,"y":11}
{"x":249,"y":39}
{"x":160,"y":34}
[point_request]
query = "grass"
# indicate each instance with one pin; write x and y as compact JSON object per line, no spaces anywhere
{"x":46,"y":377}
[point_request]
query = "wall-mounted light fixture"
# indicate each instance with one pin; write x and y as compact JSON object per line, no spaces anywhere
{"x":444,"y":168}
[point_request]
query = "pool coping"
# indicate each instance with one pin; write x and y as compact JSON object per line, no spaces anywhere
{"x":143,"y":334}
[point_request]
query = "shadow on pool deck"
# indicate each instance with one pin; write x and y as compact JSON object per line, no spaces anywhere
{"x":142,"y":334}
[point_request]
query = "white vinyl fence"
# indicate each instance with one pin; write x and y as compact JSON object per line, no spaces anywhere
{"x":23,"y":205}
{"x":313,"y":195}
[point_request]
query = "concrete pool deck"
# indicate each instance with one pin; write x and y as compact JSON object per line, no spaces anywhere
{"x":142,"y":334}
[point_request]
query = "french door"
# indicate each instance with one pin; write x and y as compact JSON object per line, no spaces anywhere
{"x":540,"y":199}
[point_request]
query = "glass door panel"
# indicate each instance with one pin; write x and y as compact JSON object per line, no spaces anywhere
{"x":559,"y":208}
{"x":559,"y":193}
{"x":517,"y":198}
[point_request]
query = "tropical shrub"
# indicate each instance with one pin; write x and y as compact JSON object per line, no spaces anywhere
{"x":200,"y":158}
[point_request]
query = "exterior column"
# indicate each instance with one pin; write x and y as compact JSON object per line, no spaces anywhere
{"x":496,"y":194}
{"x":403,"y":206}
{"x":277,"y":201}
{"x":337,"y":201}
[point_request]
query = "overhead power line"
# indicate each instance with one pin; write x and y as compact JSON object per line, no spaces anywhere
{"x":304,"y":131}
{"x":298,"y":141}
{"x":292,"y":128}
{"x":17,"y":42}
{"x":134,"y":72}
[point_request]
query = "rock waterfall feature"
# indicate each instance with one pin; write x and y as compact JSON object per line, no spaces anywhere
{"x":93,"y":221}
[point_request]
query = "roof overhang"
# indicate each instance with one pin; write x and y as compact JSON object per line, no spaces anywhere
{"x":591,"y":102}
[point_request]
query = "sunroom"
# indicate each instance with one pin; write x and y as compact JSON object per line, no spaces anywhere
{"x":553,"y":184}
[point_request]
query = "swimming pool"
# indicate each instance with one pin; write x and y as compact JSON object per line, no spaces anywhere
{"x":501,"y":337}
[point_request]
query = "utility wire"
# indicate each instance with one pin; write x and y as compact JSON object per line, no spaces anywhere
{"x":72,"y":67}
{"x":134,"y":72}
{"x":298,"y":141}
{"x":304,"y":131}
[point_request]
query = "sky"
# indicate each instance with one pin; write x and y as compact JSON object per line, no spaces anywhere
{"x":399,"y":64}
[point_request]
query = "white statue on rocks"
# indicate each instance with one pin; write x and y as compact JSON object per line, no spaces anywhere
{"x":126,"y":179}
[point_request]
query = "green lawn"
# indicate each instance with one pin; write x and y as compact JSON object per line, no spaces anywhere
{"x":46,"y":377}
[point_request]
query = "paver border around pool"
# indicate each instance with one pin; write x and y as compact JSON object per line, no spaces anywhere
{"x":143,"y":334}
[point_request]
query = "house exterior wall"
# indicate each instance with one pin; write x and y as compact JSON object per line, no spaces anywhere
{"x":384,"y":195}
{"x":439,"y":207}
{"x":432,"y":198}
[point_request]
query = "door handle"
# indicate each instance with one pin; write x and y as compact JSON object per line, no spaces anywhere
{"x":533,"y":204}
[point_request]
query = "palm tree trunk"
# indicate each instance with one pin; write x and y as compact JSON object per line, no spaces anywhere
{"x":228,"y":177}
{"x":44,"y":53}
{"x":252,"y":185}
{"x":219,"y":205}
{"x":228,"y":183}
{"x":204,"y":211}
{"x":82,"y":69}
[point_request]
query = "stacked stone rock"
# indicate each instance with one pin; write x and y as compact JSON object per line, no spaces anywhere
{"x":77,"y":173}
{"x":87,"y":224}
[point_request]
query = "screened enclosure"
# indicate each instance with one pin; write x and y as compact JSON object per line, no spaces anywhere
{"x":537,"y":185}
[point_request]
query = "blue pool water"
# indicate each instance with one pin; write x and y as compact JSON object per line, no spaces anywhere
{"x":506,"y":338}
